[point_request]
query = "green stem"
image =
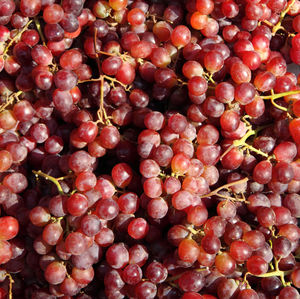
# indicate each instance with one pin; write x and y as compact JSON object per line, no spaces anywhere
{"x":50,"y":178}
{"x":282,"y":15}
{"x":242,"y":141}
{"x":39,"y":29}
{"x":112,"y":80}
{"x":192,"y":230}
{"x":227,"y":186}
{"x":10,"y":100}
{"x":278,"y":106}
{"x":253,"y":149}
{"x":280,"y":95}
{"x":277,"y":272}
{"x":18,"y":35}
{"x":11,"y":281}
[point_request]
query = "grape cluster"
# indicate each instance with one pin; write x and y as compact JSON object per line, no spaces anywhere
{"x":149,"y":149}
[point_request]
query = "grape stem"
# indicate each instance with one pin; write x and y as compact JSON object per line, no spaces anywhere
{"x":38,"y":26}
{"x":181,"y":82}
{"x":177,"y":58}
{"x":50,"y":178}
{"x":242,"y":143}
{"x":101,"y":111}
{"x":11,"y":281}
{"x":246,"y":281}
{"x":125,"y":57}
{"x":112,"y":80}
{"x":16,"y":37}
{"x":274,"y":96}
{"x":280,"y":95}
{"x":227,"y":186}
{"x":277,"y":272}
{"x":209,"y":77}
{"x":192,"y":230}
{"x":155,"y":18}
{"x":278,"y":26}
{"x":56,"y":219}
{"x":39,"y":29}
{"x":10,"y":100}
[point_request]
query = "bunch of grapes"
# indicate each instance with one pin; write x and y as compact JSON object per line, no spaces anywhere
{"x":150,"y":149}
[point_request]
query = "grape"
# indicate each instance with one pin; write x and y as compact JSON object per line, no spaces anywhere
{"x":107,"y":209}
{"x":109,"y":137}
{"x":240,"y":251}
{"x":9,"y":227}
{"x":145,"y":289}
{"x":296,"y":277}
{"x":69,"y":287}
{"x":71,"y":59}
{"x":213,"y":61}
{"x":77,"y":204}
{"x":138,"y":228}
{"x":197,"y":86}
{"x":262,"y":172}
{"x":132,"y":274}
{"x":210,"y":244}
{"x":55,"y":273}
{"x":117,"y":256}
{"x":136,"y":16}
{"x":83,"y":276}
{"x":288,"y":292}
{"x":188,"y":250}
{"x":257,"y":265}
{"x":282,"y":247}
{"x":162,"y":30}
{"x":7,"y":120}
{"x":128,"y":203}
{"x":76,"y":243}
{"x":52,"y":233}
{"x":285,"y":151}
{"x":255,"y":239}
{"x":30,"y":8}
{"x":225,"y":264}
{"x":198,"y":20}
{"x":6,"y":160}
{"x":5,"y":252}
{"x":230,"y":9}
{"x":7,"y":8}
{"x":197,"y":215}
{"x":16,"y":182}
{"x":140,"y":49}
{"x":265,"y":216}
{"x":180,"y":36}
{"x":53,"y":14}
{"x":117,"y":4}
{"x":205,"y":6}
{"x":191,"y":281}
{"x":65,"y":80}
{"x":291,"y":201}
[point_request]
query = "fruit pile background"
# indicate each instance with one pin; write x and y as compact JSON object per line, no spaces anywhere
{"x":149,"y":149}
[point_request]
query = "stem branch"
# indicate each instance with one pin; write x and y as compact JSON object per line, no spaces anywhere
{"x":50,"y":178}
{"x":227,"y":186}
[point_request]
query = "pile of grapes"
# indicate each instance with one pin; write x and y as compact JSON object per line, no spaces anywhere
{"x":149,"y":149}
